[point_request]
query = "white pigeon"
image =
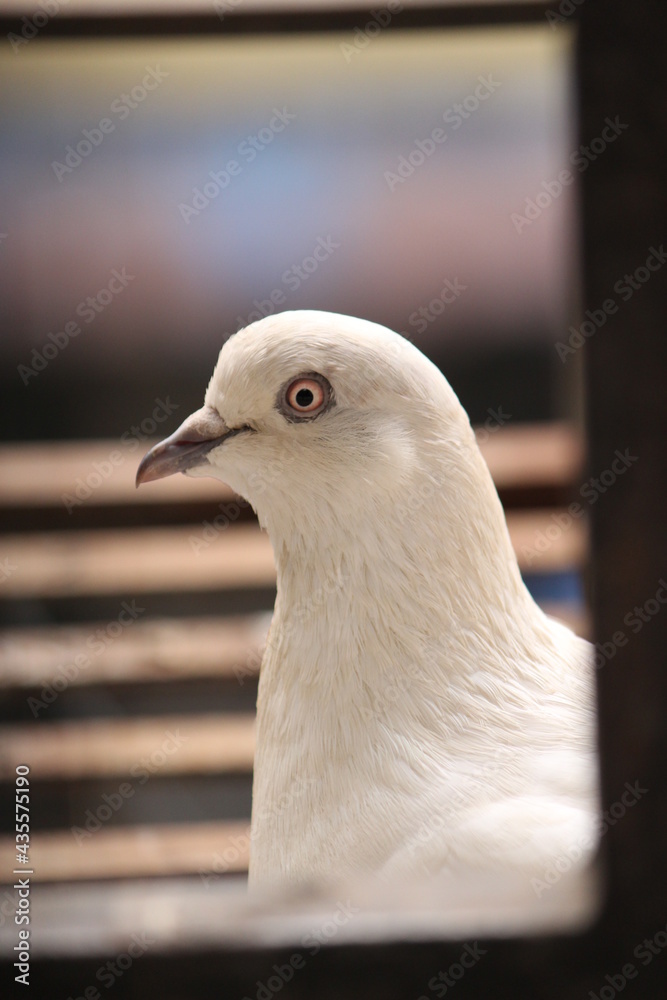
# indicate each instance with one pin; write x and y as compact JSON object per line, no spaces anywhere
{"x":418,"y":713}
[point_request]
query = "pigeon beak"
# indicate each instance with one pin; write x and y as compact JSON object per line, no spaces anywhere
{"x":187,"y":447}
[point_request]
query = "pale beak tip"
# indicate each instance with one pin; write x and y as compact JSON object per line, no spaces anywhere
{"x":146,"y":472}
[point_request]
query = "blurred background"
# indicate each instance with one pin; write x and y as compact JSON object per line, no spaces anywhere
{"x":198,"y":274}
{"x":130,"y":250}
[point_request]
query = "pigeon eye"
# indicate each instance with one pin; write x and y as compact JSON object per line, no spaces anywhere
{"x":307,"y":395}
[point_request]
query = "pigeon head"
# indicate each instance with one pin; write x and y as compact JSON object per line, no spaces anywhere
{"x":303,"y":407}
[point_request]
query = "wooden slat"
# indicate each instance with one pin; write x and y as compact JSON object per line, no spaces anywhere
{"x":542,"y":545}
{"x":98,"y":748}
{"x":41,"y":474}
{"x":136,"y":561}
{"x":139,"y":561}
{"x":85,"y":14}
{"x":155,"y":650}
{"x":532,"y":455}
{"x":135,"y":852}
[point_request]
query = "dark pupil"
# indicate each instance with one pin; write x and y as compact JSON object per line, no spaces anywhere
{"x":304,"y":397}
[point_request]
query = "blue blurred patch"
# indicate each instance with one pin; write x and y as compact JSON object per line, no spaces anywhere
{"x":547,"y":587}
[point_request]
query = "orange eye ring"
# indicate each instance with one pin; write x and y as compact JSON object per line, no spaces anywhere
{"x":306,"y":396}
